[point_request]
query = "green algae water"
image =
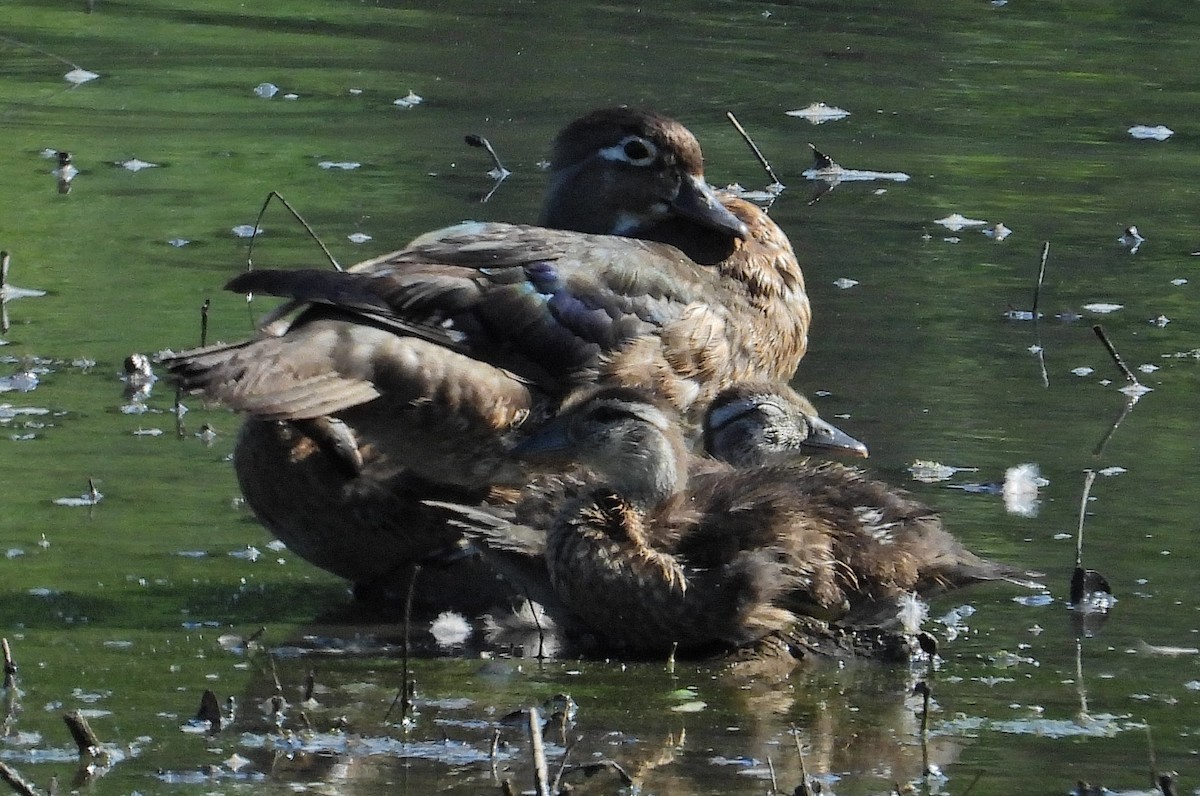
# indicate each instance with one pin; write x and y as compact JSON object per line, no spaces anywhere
{"x":180,"y":118}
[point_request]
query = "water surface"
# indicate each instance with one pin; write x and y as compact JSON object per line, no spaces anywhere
{"x":1016,"y":113}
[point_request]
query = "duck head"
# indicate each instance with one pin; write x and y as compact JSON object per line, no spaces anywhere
{"x":751,"y":423}
{"x":631,"y":441}
{"x":624,"y":171}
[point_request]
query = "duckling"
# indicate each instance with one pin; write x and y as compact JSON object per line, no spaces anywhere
{"x":419,"y":367}
{"x":887,"y":542}
{"x":657,"y":550}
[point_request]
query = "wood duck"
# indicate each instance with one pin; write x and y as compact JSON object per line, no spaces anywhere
{"x":656,"y":549}
{"x":418,"y":367}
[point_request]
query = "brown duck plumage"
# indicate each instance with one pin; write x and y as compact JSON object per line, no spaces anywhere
{"x":647,"y":555}
{"x":416,"y":367}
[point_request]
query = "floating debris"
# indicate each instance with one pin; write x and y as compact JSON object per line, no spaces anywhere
{"x":89,"y":498}
{"x":136,"y":164}
{"x":1108,"y":472}
{"x":410,"y":100}
{"x":178,"y":243}
{"x":1165,"y":650}
{"x":819,"y":113}
{"x":1179,"y":282}
{"x":342,"y":165}
{"x":1131,"y":239}
{"x":998,"y":232}
{"x":957,"y":221}
{"x":247,"y":230}
{"x":1083,"y":370}
{"x":25,"y":381}
{"x":1135,"y":390}
{"x":826,"y":170}
{"x":358,"y":237}
{"x":1021,"y":484}
{"x":929,"y":472}
{"x":758,"y":195}
{"x":845,"y":283}
{"x":78,"y":76}
{"x":266,"y":90}
{"x":1160,"y":321}
{"x":1103,"y":308}
{"x":1159,"y":132}
{"x":250,"y":553}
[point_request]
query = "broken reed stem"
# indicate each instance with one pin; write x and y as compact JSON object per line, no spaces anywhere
{"x":541,"y":784}
{"x":204,"y":323}
{"x":1080,"y":686}
{"x":1037,"y":290}
{"x":4,"y":262}
{"x":774,"y":780}
{"x":298,"y":217}
{"x":310,"y":684}
{"x":1112,"y":352}
{"x":480,"y":142}
{"x":403,"y":696}
{"x":10,"y":666}
{"x":537,"y":622}
{"x":804,"y":789}
{"x":1089,"y":478}
{"x":753,"y":147}
{"x":10,"y":775}
{"x":925,"y":692}
{"x":85,"y":738}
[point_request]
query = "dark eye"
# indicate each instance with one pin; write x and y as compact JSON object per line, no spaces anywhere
{"x":637,"y":149}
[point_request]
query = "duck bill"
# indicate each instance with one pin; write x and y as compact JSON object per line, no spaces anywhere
{"x":549,"y":442}
{"x":698,"y":202}
{"x":825,"y":437}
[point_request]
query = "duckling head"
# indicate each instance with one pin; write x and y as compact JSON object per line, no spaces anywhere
{"x":752,"y":423}
{"x":633,"y":443}
{"x":623,"y":171}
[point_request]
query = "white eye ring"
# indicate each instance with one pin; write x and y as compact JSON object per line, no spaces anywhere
{"x":632,"y":149}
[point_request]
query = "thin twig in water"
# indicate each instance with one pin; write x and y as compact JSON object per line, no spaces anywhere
{"x":971,"y":787}
{"x":1089,"y":478}
{"x":10,"y":666}
{"x":498,"y":172}
{"x":1037,"y":291}
{"x":754,"y":148}
{"x":204,"y":322}
{"x":774,"y":781}
{"x":4,"y":263}
{"x":541,"y":653}
{"x":1112,"y":352}
{"x":1124,"y":413}
{"x":405,"y":687}
{"x":803,"y":789}
{"x":303,"y":223}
